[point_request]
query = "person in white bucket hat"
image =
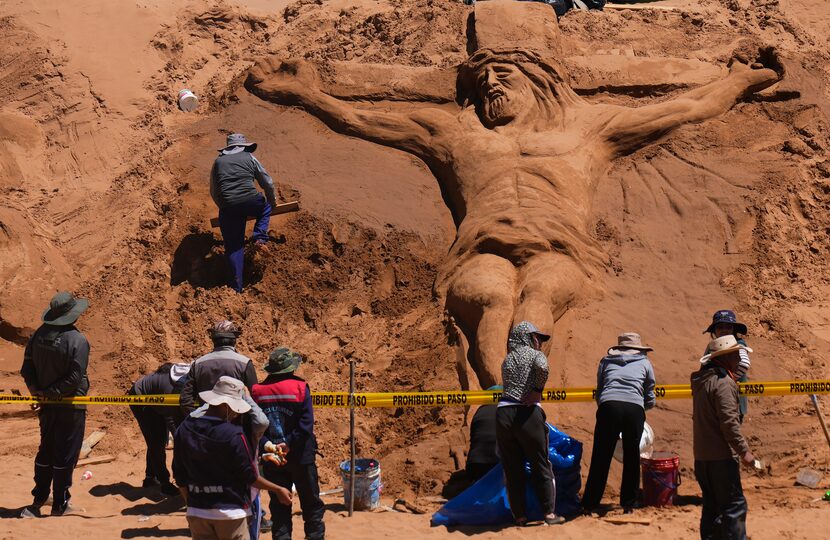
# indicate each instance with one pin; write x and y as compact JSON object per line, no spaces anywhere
{"x":718,"y":442}
{"x":213,"y":464}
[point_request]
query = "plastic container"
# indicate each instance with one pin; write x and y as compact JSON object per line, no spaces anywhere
{"x":188,"y":102}
{"x":367,"y":483}
{"x":646,"y":444}
{"x":661,"y":476}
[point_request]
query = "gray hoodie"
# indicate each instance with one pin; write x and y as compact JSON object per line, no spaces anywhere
{"x":626,"y":377}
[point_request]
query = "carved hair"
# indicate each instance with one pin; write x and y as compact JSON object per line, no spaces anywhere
{"x":550,"y":82}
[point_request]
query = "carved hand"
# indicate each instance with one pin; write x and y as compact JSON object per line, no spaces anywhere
{"x":289,"y":81}
{"x":765,"y":71}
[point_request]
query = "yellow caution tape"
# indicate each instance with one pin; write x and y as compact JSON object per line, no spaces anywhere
{"x":448,"y":398}
{"x":170,"y":400}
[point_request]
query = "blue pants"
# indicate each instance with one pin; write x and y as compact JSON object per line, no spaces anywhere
{"x":232,"y":224}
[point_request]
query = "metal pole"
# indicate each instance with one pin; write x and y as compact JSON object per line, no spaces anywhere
{"x":814,"y":399}
{"x":351,"y":437}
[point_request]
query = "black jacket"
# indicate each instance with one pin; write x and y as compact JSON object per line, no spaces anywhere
{"x":212,"y":458}
{"x":160,"y":383}
{"x":55,"y":362}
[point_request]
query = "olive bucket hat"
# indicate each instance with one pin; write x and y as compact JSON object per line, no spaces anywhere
{"x":283,"y":360}
{"x":64,"y":309}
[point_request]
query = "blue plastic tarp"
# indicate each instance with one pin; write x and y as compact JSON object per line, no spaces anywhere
{"x":485,"y":502}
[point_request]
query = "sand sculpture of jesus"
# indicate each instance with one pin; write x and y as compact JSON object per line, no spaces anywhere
{"x":517,"y":163}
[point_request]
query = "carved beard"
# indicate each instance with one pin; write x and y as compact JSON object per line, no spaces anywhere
{"x":497,"y":109}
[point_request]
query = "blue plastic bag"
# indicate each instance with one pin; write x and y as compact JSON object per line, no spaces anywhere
{"x":485,"y":502}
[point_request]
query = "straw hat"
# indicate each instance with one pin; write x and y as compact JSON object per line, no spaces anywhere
{"x":721,"y":346}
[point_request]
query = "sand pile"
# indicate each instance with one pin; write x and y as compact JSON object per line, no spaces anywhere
{"x":105,"y":191}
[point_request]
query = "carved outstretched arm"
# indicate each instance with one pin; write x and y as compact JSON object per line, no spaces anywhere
{"x":295,"y":83}
{"x":631,"y":128}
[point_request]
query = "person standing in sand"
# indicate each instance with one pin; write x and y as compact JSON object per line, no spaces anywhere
{"x":521,"y":428}
{"x":213,"y":464}
{"x":286,"y":400}
{"x":54,"y":365}
{"x":625,"y":391}
{"x":718,"y":442}
{"x":232,"y":189}
{"x":725,"y":323}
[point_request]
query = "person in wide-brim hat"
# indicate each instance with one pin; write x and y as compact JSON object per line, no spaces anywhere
{"x":64,"y":309}
{"x":722,"y":346}
{"x":236,"y":140}
{"x":629,"y":343}
{"x":726,"y":318}
{"x":625,"y":391}
{"x":228,"y":391}
{"x":233,"y":180}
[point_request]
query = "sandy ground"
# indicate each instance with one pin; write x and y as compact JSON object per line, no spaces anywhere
{"x":103,"y":191}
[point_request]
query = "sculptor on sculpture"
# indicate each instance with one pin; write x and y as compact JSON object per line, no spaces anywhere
{"x":517,"y":163}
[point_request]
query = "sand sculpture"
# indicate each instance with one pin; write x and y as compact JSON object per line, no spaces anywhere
{"x":517,"y":163}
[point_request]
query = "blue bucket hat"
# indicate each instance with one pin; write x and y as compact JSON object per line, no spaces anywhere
{"x":726,"y":316}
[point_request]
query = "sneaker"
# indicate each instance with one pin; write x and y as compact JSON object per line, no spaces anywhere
{"x":266,"y":525}
{"x":169,"y":489}
{"x":30,"y":512}
{"x":67,"y":510}
{"x":553,"y":519}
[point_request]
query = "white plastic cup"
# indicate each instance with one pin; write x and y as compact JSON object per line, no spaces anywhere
{"x":87,"y":475}
{"x":188,"y":102}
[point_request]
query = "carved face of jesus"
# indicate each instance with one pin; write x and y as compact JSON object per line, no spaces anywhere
{"x":502,"y":89}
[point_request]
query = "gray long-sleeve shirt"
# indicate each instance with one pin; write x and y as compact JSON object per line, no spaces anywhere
{"x":232,"y":179}
{"x":626,"y":377}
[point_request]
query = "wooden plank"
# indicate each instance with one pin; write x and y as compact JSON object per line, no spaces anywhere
{"x":627,"y":521}
{"x":284,"y":208}
{"x":90,"y":443}
{"x":94,"y":460}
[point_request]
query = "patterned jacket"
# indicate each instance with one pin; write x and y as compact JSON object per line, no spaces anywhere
{"x":524,"y":368}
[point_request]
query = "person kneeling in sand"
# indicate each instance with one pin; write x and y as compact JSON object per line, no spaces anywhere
{"x":213,"y":464}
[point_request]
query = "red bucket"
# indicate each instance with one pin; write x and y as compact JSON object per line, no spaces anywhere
{"x":661,"y":476}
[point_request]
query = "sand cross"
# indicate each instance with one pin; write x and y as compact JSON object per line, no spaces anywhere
{"x":517,"y":164}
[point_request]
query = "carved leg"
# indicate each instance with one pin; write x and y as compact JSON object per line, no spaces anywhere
{"x":482,"y":298}
{"x":548,"y":284}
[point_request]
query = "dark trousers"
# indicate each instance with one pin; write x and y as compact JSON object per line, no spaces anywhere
{"x":523,"y":437}
{"x":154,"y":428}
{"x":304,"y":477}
{"x":61,"y":436}
{"x":613,"y":418}
{"x":232,"y":224}
{"x":724,"y":505}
